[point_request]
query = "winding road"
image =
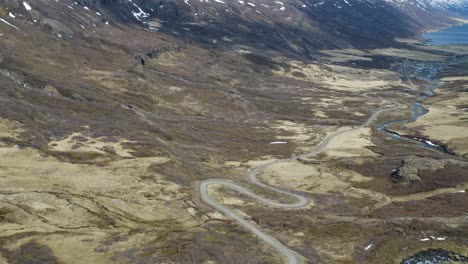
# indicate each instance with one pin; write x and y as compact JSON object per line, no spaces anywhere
{"x":252,"y":174}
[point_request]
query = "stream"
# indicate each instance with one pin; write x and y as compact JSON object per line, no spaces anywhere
{"x":428,"y":73}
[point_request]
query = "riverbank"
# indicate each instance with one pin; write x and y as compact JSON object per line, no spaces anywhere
{"x":370,"y":180}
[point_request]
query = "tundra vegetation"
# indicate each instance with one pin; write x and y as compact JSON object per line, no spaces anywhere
{"x":107,"y":124}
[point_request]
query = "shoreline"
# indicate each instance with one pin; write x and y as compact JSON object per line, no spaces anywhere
{"x":424,"y":40}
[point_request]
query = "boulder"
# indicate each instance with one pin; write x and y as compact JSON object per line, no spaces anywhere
{"x":407,"y":173}
{"x":78,"y":97}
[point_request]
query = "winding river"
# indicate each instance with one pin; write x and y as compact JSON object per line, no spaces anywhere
{"x":428,"y":73}
{"x":301,"y":201}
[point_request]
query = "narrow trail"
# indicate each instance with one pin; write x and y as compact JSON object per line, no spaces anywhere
{"x":252,"y":174}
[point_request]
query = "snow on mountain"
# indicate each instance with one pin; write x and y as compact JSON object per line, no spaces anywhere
{"x":300,"y":26}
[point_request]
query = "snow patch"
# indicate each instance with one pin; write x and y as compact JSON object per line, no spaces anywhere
{"x":140,"y":15}
{"x":432,"y":238}
{"x":27,"y":6}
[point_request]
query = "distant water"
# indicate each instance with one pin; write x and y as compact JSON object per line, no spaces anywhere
{"x":453,"y":35}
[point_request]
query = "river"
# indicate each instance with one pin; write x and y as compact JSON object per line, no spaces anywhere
{"x":450,"y":36}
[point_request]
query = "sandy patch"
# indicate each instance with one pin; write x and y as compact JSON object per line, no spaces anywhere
{"x":448,"y":132}
{"x":328,"y":101}
{"x":175,"y":89}
{"x":215,"y":191}
{"x":342,"y":78}
{"x":171,"y":59}
{"x":342,"y":83}
{"x":458,"y":78}
{"x":81,"y":253}
{"x":79,"y":143}
{"x":294,"y":173}
{"x":234,"y":164}
{"x":459,"y":19}
{"x":457,"y":49}
{"x":358,"y":80}
{"x":316,"y":178}
{"x":409,"y":54}
{"x":300,"y":132}
{"x":345,"y":55}
{"x":29,"y":167}
{"x":359,"y":114}
{"x":408,"y":41}
{"x":351,"y":144}
{"x":445,"y":124}
{"x":115,"y":81}
{"x":320,"y":113}
{"x":309,"y":72}
{"x":217,"y":215}
{"x":9,"y":129}
{"x":155,"y":24}
{"x":255,"y":163}
{"x":67,"y":195}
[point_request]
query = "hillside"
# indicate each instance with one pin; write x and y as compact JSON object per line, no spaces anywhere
{"x":113,"y":112}
{"x":290,"y":26}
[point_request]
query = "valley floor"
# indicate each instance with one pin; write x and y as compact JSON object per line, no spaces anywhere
{"x":102,"y":163}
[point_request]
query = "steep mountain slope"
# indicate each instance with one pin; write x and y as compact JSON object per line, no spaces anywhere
{"x":295,"y":26}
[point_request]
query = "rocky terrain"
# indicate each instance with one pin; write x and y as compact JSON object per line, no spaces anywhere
{"x":112,"y":112}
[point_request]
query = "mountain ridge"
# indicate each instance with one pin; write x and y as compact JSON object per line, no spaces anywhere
{"x":293,"y":26}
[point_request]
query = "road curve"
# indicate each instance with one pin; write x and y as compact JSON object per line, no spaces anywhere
{"x":252,"y":174}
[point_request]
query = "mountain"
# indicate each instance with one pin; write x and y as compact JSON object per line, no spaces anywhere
{"x":293,"y":26}
{"x":112,"y":112}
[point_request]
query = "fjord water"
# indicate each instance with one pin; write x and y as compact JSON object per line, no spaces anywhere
{"x":447,"y":36}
